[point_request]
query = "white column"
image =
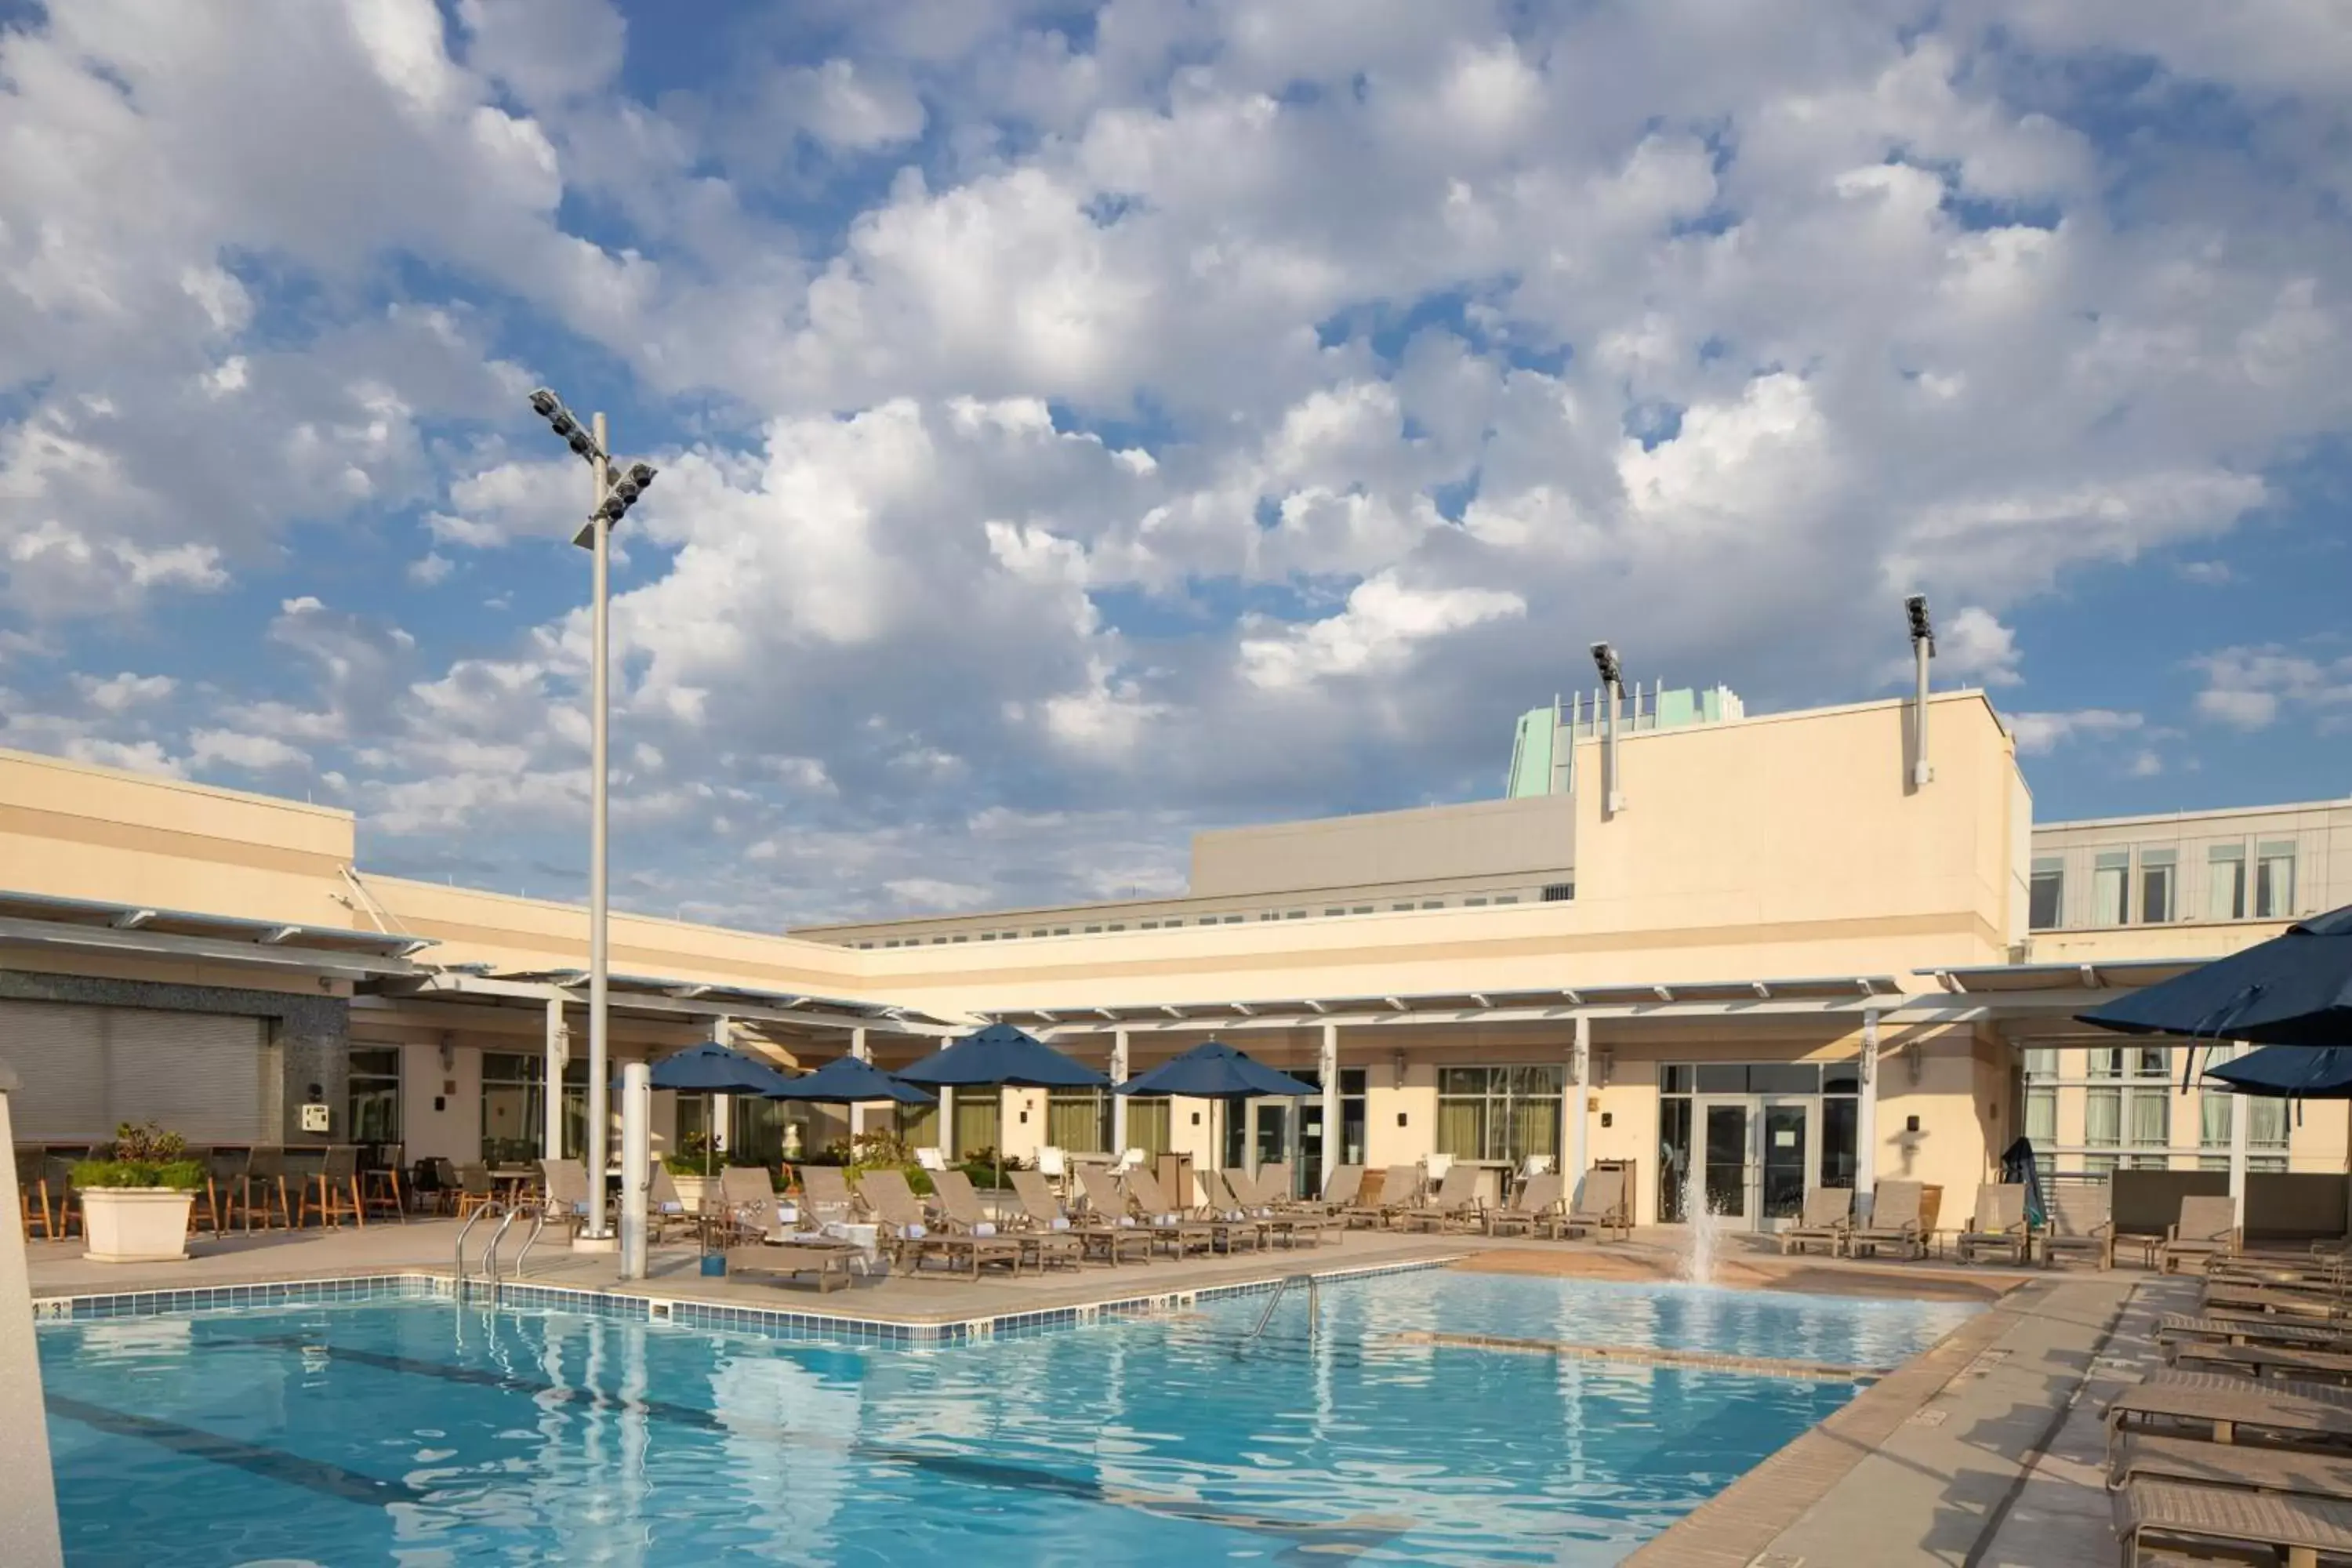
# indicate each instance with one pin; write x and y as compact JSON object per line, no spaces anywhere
{"x":722,"y":1105}
{"x":1249,"y":1135}
{"x":558,"y":1056}
{"x":1117,"y":1101}
{"x":1579,"y":1095}
{"x":947,"y":1121}
{"x":1330,"y":1065}
{"x":2241,"y":1124}
{"x":636,"y":1164}
{"x":28,"y":1498}
{"x":859,"y":1049}
{"x":1865,"y":1132}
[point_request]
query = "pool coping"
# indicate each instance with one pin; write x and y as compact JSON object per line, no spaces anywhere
{"x":679,"y":1311}
{"x":1738,"y":1524}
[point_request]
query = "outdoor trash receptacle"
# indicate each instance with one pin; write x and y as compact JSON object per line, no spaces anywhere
{"x":714,"y":1264}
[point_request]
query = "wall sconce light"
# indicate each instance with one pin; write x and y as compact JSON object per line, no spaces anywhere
{"x":1396,"y":1065}
{"x":1603,"y":1062}
{"x":448,"y":1050}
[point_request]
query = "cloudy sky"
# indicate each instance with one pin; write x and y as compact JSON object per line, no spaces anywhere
{"x":1083,"y":423}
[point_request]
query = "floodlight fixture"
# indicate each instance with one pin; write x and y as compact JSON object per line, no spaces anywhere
{"x":1922,"y":629}
{"x":1604,"y":658}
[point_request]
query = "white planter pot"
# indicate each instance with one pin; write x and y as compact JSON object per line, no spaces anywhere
{"x":692,"y":1189}
{"x":135,"y":1225}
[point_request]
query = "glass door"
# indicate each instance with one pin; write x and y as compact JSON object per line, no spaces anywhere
{"x":1725,"y":1130}
{"x":1787,"y":1136}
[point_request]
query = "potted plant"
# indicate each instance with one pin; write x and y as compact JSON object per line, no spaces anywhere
{"x":690,"y":1168}
{"x":135,"y":1203}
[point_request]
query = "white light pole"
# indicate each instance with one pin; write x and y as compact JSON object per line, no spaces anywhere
{"x":1923,"y":648}
{"x":608,"y":501}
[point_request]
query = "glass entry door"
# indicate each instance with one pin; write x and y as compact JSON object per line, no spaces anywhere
{"x":1785,"y":1131}
{"x":1726,"y":1148}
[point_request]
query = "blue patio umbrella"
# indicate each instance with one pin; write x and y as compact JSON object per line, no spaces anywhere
{"x":2293,"y":990}
{"x":1000,"y":1056}
{"x":712,"y":1070}
{"x":848,"y":1082}
{"x":2284,"y":1072}
{"x":1214,"y":1070}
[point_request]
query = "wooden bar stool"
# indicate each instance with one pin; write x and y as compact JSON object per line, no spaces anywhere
{"x":335,"y":1186}
{"x":263,"y":1191}
{"x":33,"y":1193}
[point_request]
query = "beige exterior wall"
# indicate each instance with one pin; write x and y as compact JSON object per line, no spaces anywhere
{"x":2317,"y":836}
{"x":1533,"y":839}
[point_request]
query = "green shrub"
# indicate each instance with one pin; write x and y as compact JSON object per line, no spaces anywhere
{"x":181,"y":1176}
{"x":919,"y":1180}
{"x":146,"y":1144}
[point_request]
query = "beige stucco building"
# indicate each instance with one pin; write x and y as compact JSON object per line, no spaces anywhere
{"x":1780,"y":957}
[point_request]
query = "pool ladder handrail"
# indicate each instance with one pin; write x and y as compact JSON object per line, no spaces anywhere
{"x":458,"y":1275}
{"x":1282,"y":1287}
{"x":490,"y":1252}
{"x":538,"y":1224}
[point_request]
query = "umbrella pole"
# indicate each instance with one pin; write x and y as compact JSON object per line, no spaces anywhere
{"x":709,"y":1130}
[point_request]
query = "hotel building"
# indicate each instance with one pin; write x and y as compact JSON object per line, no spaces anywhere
{"x":1766,"y":944}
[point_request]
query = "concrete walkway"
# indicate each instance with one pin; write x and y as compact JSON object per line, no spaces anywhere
{"x":1983,"y":1451}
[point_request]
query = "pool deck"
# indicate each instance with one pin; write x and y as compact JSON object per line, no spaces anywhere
{"x":1983,"y":1449}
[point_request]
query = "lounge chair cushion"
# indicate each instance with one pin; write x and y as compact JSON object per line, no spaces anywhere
{"x":983,"y":1227}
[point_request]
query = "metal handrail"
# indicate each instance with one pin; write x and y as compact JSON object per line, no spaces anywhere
{"x":457,"y":1286}
{"x":538,"y":1224}
{"x":1282,"y":1287}
{"x":490,"y":1252}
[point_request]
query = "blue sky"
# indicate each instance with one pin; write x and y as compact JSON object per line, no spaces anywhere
{"x":1083,"y":424}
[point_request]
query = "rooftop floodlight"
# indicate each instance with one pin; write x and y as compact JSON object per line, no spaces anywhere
{"x":1923,"y":648}
{"x":1604,"y":658}
{"x":545,"y":403}
{"x":1922,"y":629}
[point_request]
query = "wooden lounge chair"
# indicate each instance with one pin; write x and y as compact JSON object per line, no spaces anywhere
{"x":767,"y":1238}
{"x":1893,"y":1221}
{"x":2218,"y":1409}
{"x":1829,"y":1214}
{"x":1119,"y":1204}
{"x":2302,"y":1306}
{"x":1346,"y":1184}
{"x":1455,"y":1205}
{"x":1398,"y":1189}
{"x":2151,"y":1457}
{"x":824,"y":1192}
{"x":747,"y":1201}
{"x":1229,"y":1203}
{"x":1537,"y":1208}
{"x":2180,"y":1328}
{"x":1095,"y":1235}
{"x":902,"y":1215}
{"x":1999,"y":1225}
{"x":1224,"y":1235}
{"x":2080,"y":1220}
{"x":2151,"y":1515}
{"x":2306,"y":1363}
{"x":2206,"y":1229}
{"x":564,"y":1193}
{"x":1283,"y":1218}
{"x":1600,"y":1204}
{"x":960,"y":1204}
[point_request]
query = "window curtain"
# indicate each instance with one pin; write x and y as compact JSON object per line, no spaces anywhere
{"x":1147,"y":1124}
{"x":2213,"y":1119}
{"x":1075,"y":1121}
{"x":2041,"y":1115}
{"x":1462,"y":1128}
{"x":2151,"y":1119}
{"x":976,"y":1120}
{"x":2103,"y":1116}
{"x":2268,"y":1128}
{"x":918,"y":1126}
{"x":1534,"y":1128}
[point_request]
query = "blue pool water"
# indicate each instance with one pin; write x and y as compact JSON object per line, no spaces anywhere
{"x":415,"y":1433}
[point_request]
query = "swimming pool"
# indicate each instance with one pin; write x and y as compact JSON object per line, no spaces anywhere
{"x":420,"y":1433}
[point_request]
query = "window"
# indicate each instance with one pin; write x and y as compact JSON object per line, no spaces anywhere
{"x":2156,"y":877}
{"x":1061,"y":930}
{"x":1498,"y":1113}
{"x":987,"y":936}
{"x":1474,"y":904}
{"x":1233,"y":919}
{"x":1147,"y":925}
{"x":1269,"y":914}
{"x":1294,"y":915}
{"x":961,"y":936}
{"x":2138,"y":1118}
{"x":2049,"y":897}
{"x":1362,"y":909}
{"x":1557,"y":892}
{"x":2110,"y":873}
{"x":1337,"y":911}
{"x":2040,"y":1065}
{"x":1433,"y":903}
{"x":2041,"y":1115}
{"x":2225,"y":882}
{"x":2274,"y":881}
{"x":1040,"y":930}
{"x":1509,"y":897}
{"x":374,"y":1097}
{"x":1396,"y":907}
{"x":1094,"y":931}
{"x":513,"y":1107}
{"x":1118,"y":928}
